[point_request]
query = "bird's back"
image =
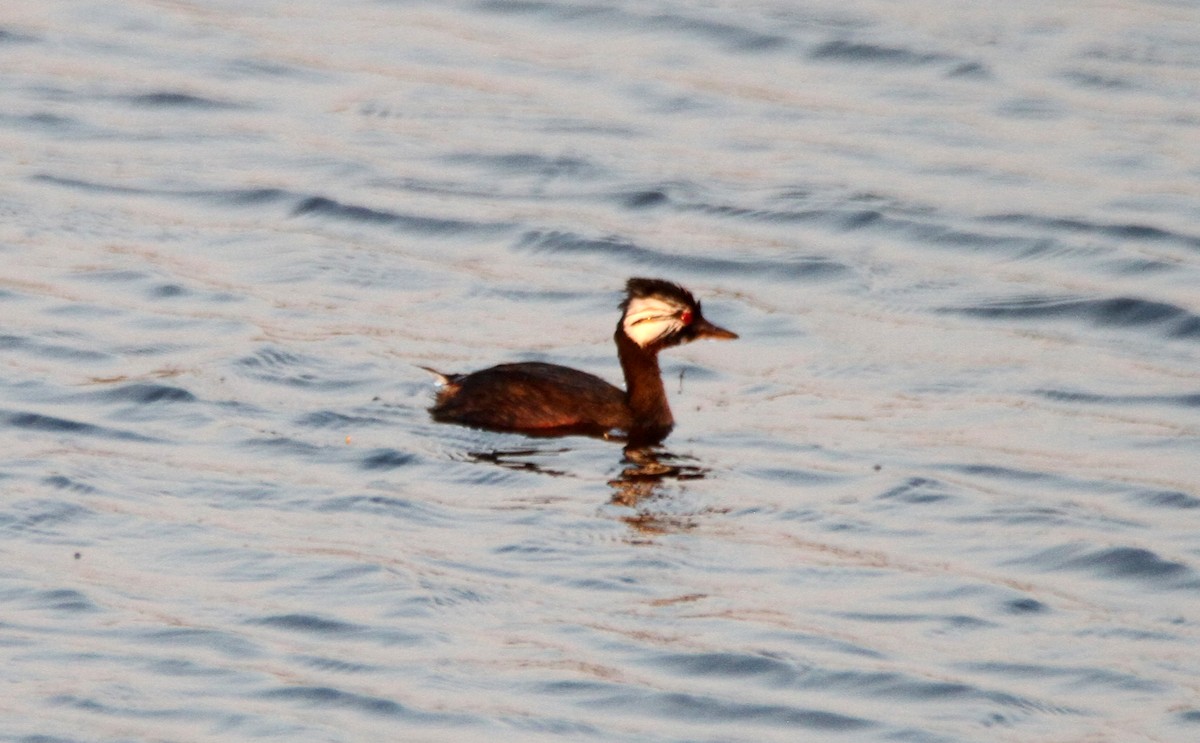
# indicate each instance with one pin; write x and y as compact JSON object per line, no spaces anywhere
{"x":533,"y":398}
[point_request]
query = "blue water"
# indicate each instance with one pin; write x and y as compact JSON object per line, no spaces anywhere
{"x":945,"y":486}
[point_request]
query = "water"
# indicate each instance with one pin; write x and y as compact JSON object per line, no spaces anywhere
{"x":945,"y":487}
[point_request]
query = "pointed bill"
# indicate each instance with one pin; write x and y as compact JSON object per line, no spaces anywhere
{"x":704,"y":329}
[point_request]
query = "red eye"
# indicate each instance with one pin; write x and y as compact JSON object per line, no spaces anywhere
{"x":685,"y":317}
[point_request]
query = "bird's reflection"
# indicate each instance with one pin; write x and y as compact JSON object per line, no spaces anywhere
{"x":642,"y":485}
{"x":642,"y":482}
{"x":646,"y":468}
{"x":518,"y":459}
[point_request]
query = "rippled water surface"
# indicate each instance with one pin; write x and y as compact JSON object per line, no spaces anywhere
{"x":945,"y":487}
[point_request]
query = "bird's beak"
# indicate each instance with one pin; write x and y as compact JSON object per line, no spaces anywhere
{"x":704,"y":329}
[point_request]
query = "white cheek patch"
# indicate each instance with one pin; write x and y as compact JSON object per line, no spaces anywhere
{"x":649,"y":318}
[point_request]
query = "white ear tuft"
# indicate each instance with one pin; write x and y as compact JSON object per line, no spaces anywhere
{"x":649,"y":318}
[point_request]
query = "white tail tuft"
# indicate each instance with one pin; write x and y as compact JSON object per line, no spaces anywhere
{"x":442,"y":379}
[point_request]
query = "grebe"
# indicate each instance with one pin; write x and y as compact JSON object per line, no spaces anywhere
{"x":540,"y":399}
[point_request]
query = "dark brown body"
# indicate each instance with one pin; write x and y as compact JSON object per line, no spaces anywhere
{"x":533,"y":397}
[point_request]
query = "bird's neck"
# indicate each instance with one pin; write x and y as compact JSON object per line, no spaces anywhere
{"x":644,"y":391}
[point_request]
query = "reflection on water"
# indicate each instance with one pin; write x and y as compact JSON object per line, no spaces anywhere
{"x":641,"y":483}
{"x":646,"y":468}
{"x":516,"y":459}
{"x":644,"y":481}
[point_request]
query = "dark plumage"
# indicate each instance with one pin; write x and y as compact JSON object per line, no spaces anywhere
{"x":541,"y":399}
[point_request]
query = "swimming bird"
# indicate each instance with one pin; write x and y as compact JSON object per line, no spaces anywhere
{"x":540,"y":399}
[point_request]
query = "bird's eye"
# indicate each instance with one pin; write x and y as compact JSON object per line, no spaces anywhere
{"x":685,"y":317}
